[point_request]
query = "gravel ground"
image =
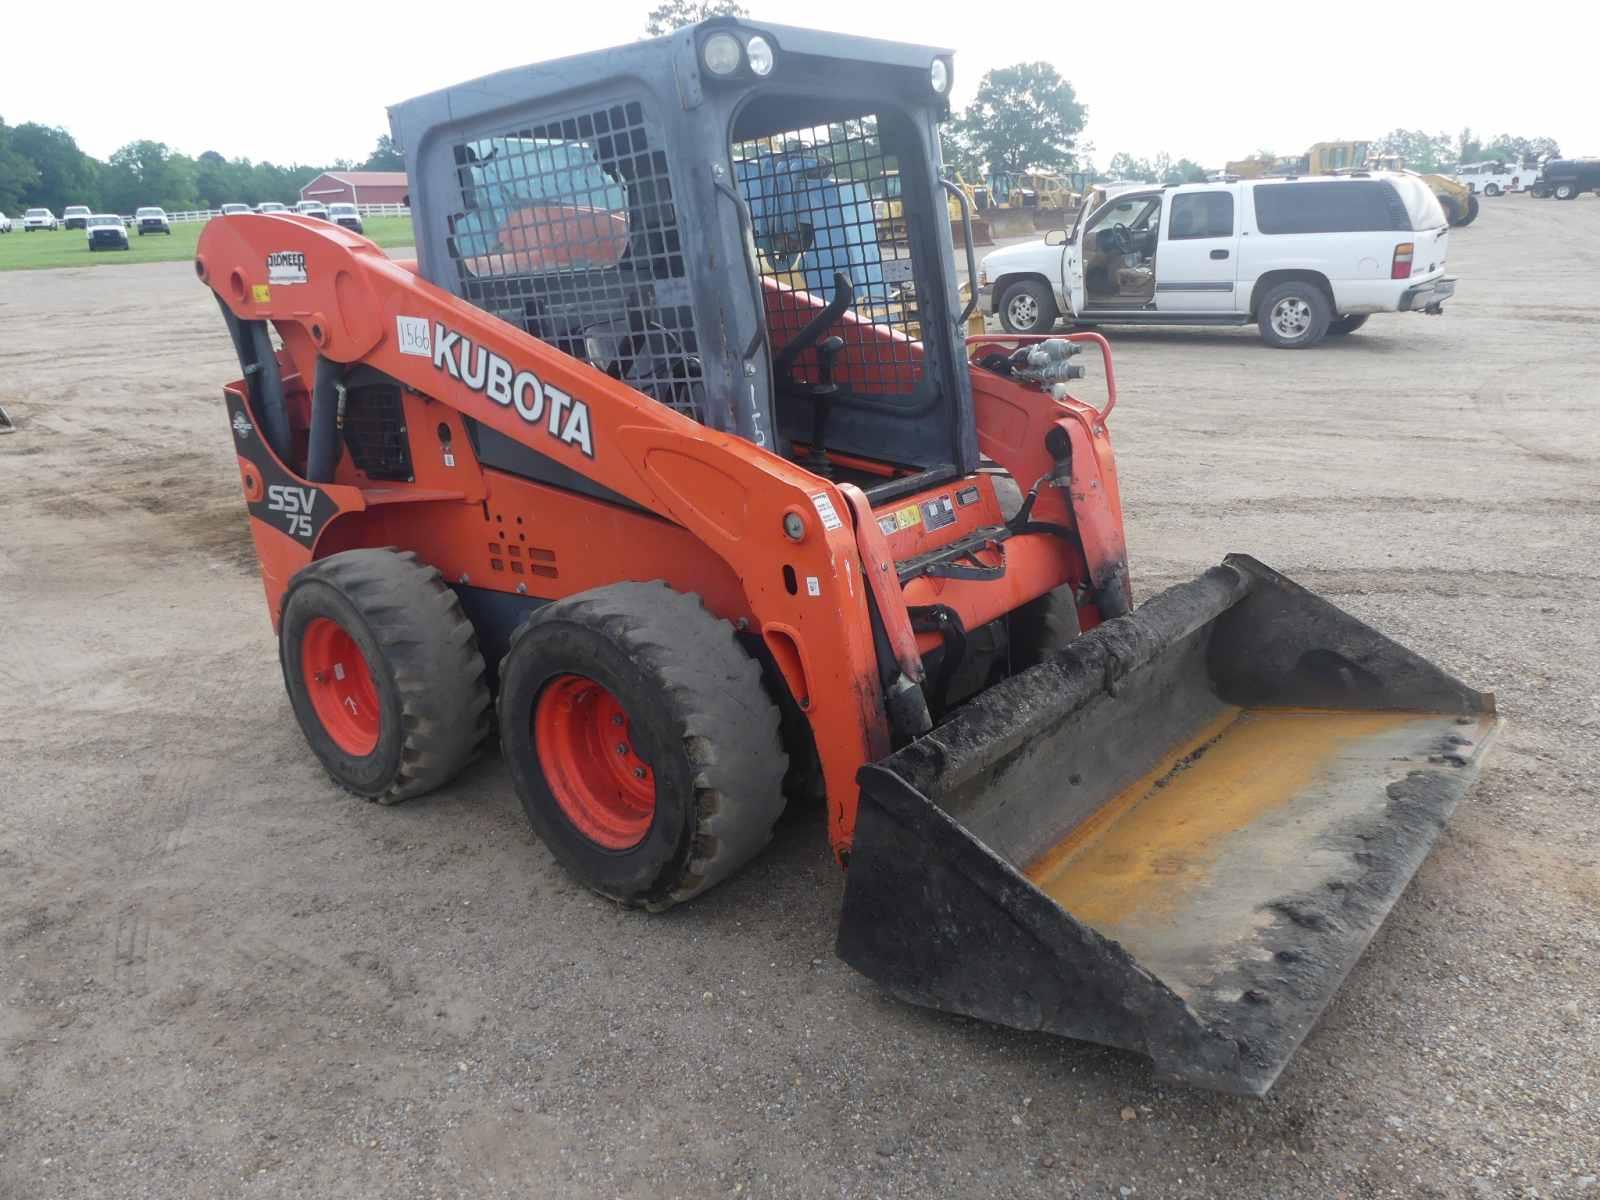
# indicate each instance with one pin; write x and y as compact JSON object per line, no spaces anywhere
{"x":221,"y":977}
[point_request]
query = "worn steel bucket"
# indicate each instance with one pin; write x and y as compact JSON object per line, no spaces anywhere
{"x":1176,"y":836}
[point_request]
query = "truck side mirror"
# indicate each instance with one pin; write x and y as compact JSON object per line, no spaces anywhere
{"x":1056,"y":237}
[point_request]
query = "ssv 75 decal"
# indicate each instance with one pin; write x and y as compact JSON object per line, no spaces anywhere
{"x":538,"y":403}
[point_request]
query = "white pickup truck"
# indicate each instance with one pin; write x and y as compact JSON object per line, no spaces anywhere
{"x":1301,"y":258}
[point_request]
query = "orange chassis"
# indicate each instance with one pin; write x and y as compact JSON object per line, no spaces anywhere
{"x":720,"y":511}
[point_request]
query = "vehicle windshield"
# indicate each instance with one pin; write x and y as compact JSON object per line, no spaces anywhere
{"x":104,"y":219}
{"x":342,"y":209}
{"x":75,"y":209}
{"x":269,"y":207}
{"x":150,"y":212}
{"x":38,"y":212}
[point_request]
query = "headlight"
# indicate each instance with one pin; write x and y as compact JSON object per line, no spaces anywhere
{"x":759,"y":53}
{"x":939,"y":76}
{"x":721,"y":54}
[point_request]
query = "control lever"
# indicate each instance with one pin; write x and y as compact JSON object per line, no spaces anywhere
{"x":823,"y":393}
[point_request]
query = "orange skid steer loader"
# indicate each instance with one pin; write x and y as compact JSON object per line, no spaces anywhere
{"x":666,"y":463}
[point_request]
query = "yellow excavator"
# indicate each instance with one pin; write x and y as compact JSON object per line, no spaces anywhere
{"x":1335,"y":158}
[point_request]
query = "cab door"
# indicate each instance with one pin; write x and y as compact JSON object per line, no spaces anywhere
{"x":1197,"y":258}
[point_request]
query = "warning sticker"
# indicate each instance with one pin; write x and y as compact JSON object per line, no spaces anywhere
{"x":813,"y":586}
{"x":903,"y":518}
{"x":286,"y":266}
{"x":825,"y":510}
{"x":261,"y":293}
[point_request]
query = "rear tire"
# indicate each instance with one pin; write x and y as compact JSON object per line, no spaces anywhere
{"x":384,"y":673}
{"x":1294,"y":315}
{"x":1453,"y":212}
{"x":1566,"y":191}
{"x":1340,"y":326}
{"x":641,"y":742}
{"x":1028,"y":306}
{"x":1472,"y":210}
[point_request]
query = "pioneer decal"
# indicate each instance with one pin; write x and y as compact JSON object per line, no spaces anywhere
{"x":536,"y":402}
{"x":241,"y":426}
{"x":286,"y":266}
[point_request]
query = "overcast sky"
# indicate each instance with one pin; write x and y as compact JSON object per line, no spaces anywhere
{"x":1210,"y":80}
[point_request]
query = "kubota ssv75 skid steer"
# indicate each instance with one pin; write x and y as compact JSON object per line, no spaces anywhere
{"x":664,"y":455}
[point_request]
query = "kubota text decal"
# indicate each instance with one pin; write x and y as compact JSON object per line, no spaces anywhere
{"x":538,"y":403}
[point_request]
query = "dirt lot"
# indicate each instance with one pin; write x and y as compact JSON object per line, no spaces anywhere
{"x":221,"y":977}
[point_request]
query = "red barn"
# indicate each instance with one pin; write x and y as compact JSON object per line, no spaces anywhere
{"x":357,"y":187}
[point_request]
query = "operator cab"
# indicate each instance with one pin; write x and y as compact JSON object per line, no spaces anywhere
{"x":695,"y":216}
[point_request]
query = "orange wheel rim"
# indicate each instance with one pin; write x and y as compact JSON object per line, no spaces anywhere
{"x":340,"y":686}
{"x":584,"y":741}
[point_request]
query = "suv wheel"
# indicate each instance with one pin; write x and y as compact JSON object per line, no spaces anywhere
{"x":1027,"y":306}
{"x":1294,"y":315}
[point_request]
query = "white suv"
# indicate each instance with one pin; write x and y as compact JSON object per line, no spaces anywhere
{"x":39,"y":218}
{"x":1303,"y":258}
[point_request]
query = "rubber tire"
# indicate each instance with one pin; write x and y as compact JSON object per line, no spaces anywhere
{"x":1473,"y":208}
{"x":423,"y":653}
{"x":1042,"y":296}
{"x":698,"y":714}
{"x":1043,"y":626}
{"x":1492,"y":189}
{"x":1315,"y":298}
{"x":1566,"y":191}
{"x":1341,"y":326}
{"x":1452,"y":210}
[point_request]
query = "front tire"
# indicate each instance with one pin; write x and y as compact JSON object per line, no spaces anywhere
{"x":1028,"y":306}
{"x":384,"y":673}
{"x":1492,"y":189}
{"x":641,"y":742}
{"x":1340,"y":326}
{"x":1566,"y":191}
{"x":1294,"y":315}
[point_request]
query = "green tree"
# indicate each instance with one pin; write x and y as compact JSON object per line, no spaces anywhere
{"x":1520,"y":149}
{"x":148,"y":172}
{"x":65,"y":174}
{"x":1127,"y":167}
{"x":675,"y":14}
{"x":1025,"y":117}
{"x":1422,"y":151}
{"x":385,"y":156}
{"x":18,"y":175}
{"x":1468,"y":148}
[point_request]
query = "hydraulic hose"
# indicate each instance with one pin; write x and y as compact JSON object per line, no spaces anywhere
{"x":323,"y":451}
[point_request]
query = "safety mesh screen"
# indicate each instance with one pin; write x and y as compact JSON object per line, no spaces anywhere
{"x":826,"y":201}
{"x":567,"y":228}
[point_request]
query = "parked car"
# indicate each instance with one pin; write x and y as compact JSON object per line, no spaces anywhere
{"x":75,"y":216}
{"x":229,"y":210}
{"x":39,"y":218}
{"x":1301,"y":258}
{"x":105,"y":231}
{"x":312,"y":208}
{"x":1567,"y":178}
{"x":271,"y":206}
{"x":347,"y":215}
{"x":152,"y":220}
{"x":5,"y":223}
{"x":1488,"y":178}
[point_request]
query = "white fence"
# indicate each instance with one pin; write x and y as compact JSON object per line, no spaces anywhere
{"x":366,"y":210}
